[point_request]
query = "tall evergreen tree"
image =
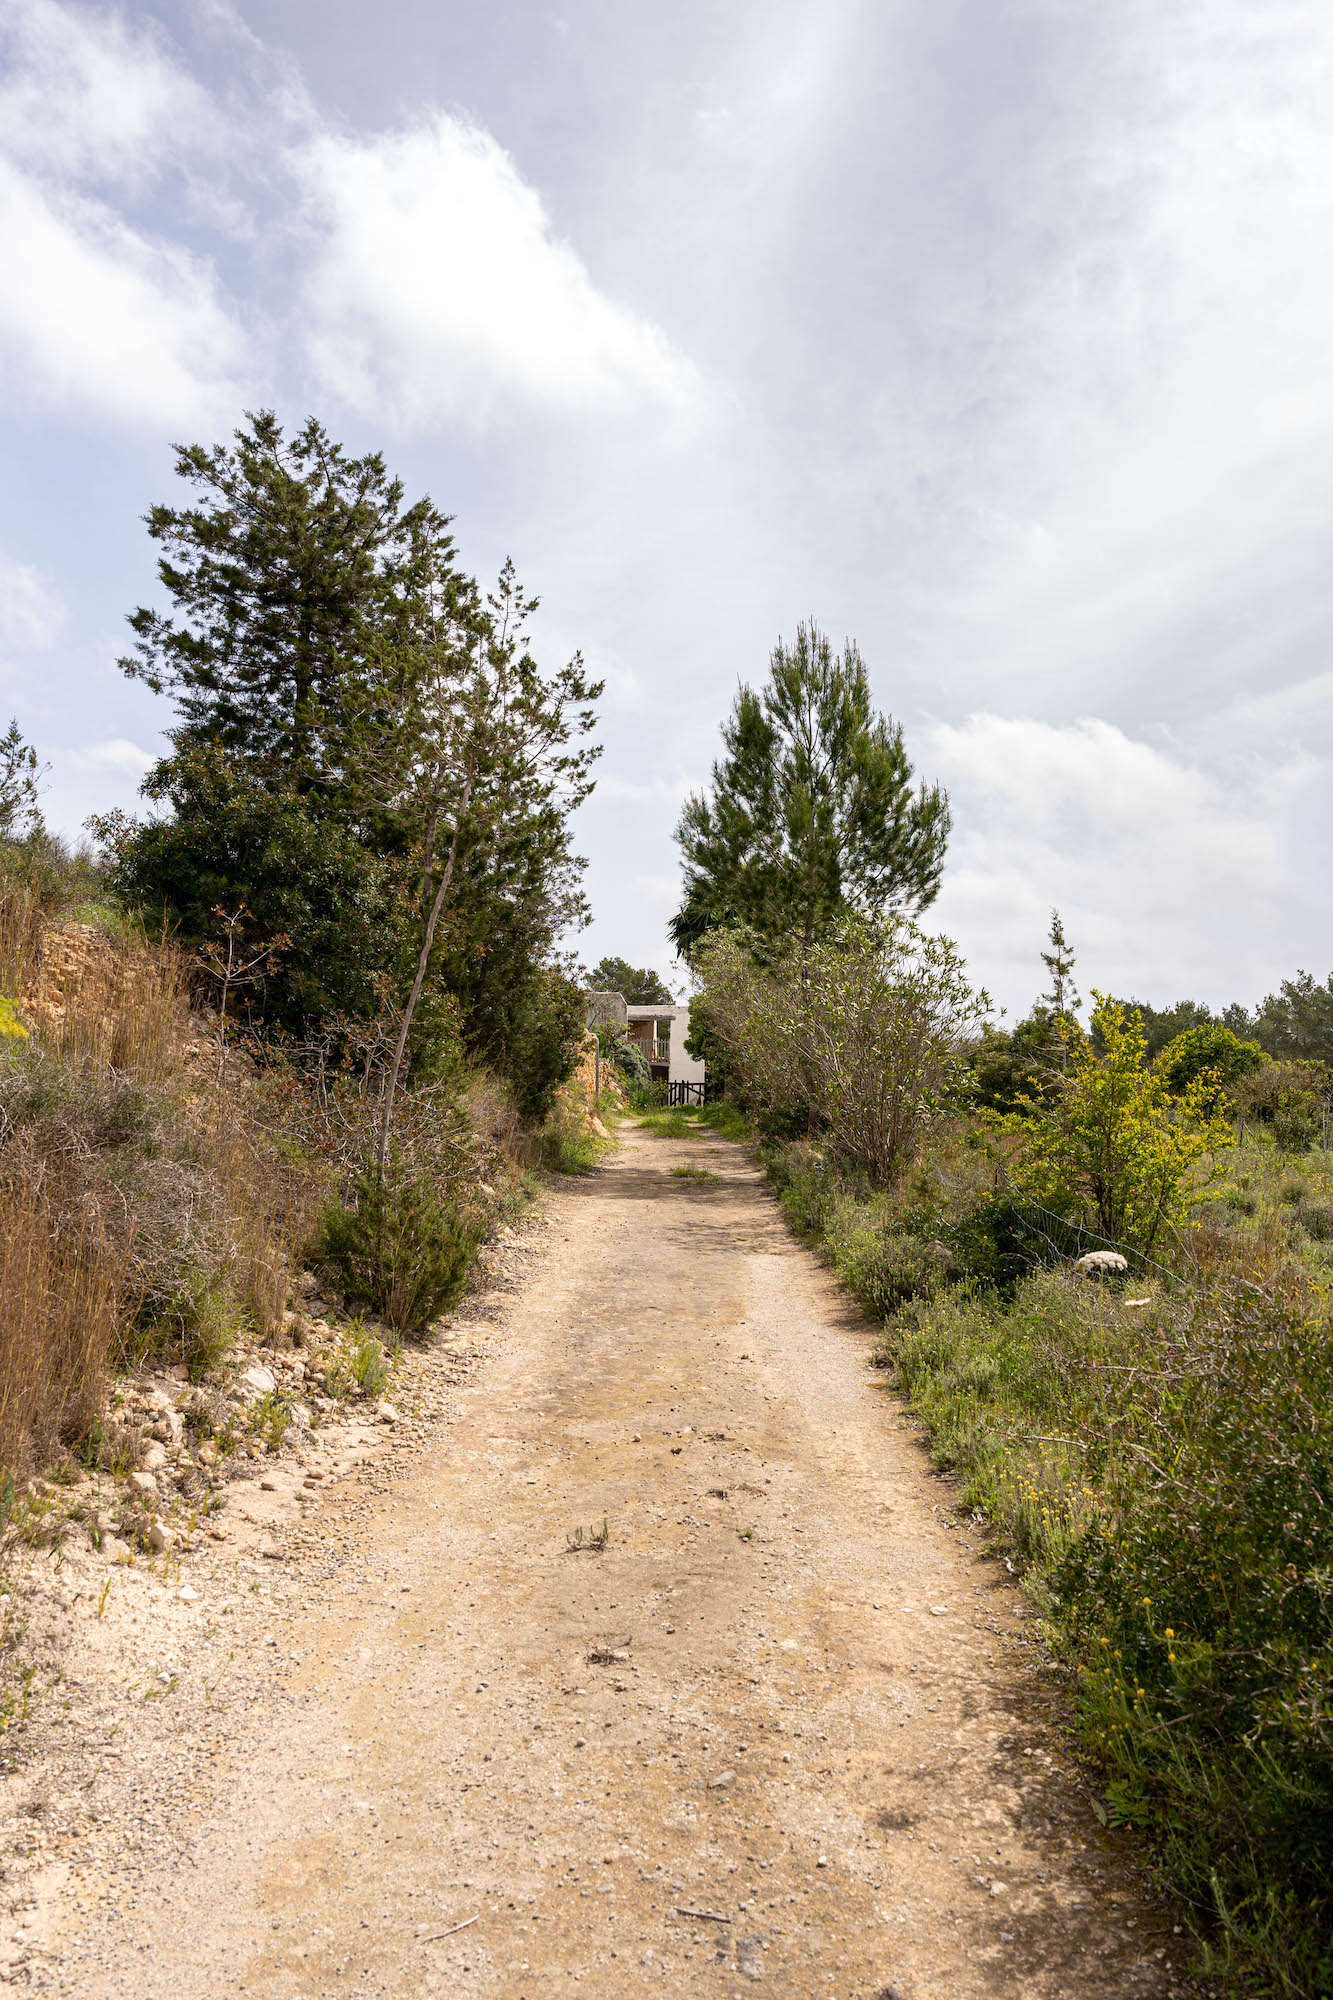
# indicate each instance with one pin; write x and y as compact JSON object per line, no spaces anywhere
{"x":637,"y":985}
{"x":811,"y":815}
{"x":1063,"y":997}
{"x":285,"y":578}
{"x":20,"y":780}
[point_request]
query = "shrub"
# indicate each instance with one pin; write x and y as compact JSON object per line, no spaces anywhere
{"x":1116,"y":1150}
{"x":568,"y":1143}
{"x":883,"y":1266}
{"x":1202,"y":1603}
{"x":402,"y":1247}
{"x":864,"y":1037}
{"x":1210,"y":1050}
{"x":806,"y":1188}
{"x":362,"y":1364}
{"x":1315,"y":1218}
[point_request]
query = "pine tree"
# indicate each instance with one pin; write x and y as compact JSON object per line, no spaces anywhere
{"x":1063,"y":997}
{"x":20,"y":780}
{"x":285,"y":579}
{"x":811,"y":815}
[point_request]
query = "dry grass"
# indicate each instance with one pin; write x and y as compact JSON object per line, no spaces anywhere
{"x":62,"y":1286}
{"x":146,"y":1204}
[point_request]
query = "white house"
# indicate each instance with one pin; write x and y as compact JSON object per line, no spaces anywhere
{"x":660,"y":1033}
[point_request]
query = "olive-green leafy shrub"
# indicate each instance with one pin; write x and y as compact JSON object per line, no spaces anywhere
{"x":401,"y":1246}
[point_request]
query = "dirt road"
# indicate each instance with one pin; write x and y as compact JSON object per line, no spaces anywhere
{"x":784,"y":1729}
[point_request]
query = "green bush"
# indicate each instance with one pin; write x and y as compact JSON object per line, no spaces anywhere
{"x":568,"y":1146}
{"x":883,"y":1266}
{"x":1202,"y":1602}
{"x":1168,"y":1477}
{"x":1315,"y":1218}
{"x":196,"y":1316}
{"x":402,"y":1247}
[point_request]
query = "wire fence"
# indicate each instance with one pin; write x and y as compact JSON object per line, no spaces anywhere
{"x":1066,"y":1239}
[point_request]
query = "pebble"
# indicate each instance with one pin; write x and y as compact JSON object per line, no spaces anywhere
{"x":723,"y":1779}
{"x":142,"y":1483}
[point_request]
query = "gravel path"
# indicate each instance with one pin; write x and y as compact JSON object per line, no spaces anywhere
{"x":786,"y":1729}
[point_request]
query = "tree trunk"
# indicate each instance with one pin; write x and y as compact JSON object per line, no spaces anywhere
{"x":413,"y":998}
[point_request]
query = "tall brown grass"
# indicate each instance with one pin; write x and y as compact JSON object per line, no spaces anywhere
{"x":61,"y":1283}
{"x":150,"y":1199}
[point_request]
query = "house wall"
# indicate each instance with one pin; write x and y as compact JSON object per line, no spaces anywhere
{"x":681,"y":1068}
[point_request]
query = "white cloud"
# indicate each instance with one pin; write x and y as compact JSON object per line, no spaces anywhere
{"x":117,"y":755}
{"x":86,"y":93}
{"x":30,"y":612}
{"x":1171,"y":879}
{"x":439,"y":289}
{"x":1155,"y":490}
{"x":107,"y":319}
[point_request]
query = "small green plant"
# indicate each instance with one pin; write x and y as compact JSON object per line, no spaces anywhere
{"x":701,"y":1176}
{"x":361,"y":1364}
{"x":267,"y":1419}
{"x":595,"y":1540}
{"x":403,"y":1247}
{"x":568,"y":1146}
{"x":676,"y":1124}
{"x":103,"y":1596}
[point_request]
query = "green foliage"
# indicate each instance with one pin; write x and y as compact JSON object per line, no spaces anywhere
{"x":1167,"y":1475}
{"x":1202,"y":1602}
{"x":1164,"y":1024}
{"x":811,"y":817}
{"x":191,"y":1310}
{"x":638,"y":986}
{"x":725,"y":1116}
{"x":403,"y":1247}
{"x":366,"y":755}
{"x":1116,"y":1150}
{"x":568,"y":1143}
{"x":541,"y":1048}
{"x":234,"y":836}
{"x":20,"y":780}
{"x":1296,"y":1023}
{"x":283,"y":577}
{"x":1209,"y":1047}
{"x":361,"y":1365}
{"x":1010,"y":1067}
{"x":625,"y":1055}
{"x":863,"y":1038}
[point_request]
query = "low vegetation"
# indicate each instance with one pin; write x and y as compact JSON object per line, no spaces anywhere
{"x":1155,"y":1444}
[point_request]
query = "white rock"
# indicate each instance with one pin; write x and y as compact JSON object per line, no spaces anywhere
{"x":998,"y":1888}
{"x":1096,"y":1261}
{"x":721,"y":1781}
{"x":187,"y":1594}
{"x":386,"y":1413}
{"x":142,"y":1483}
{"x":156,"y":1457}
{"x":939,"y":1610}
{"x":113,"y":1550}
{"x":161,"y":1537}
{"x":259,"y":1379}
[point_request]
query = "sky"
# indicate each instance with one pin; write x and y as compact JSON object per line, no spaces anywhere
{"x":995,"y":334}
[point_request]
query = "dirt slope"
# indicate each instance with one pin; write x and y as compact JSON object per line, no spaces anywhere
{"x":787,"y":1694}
